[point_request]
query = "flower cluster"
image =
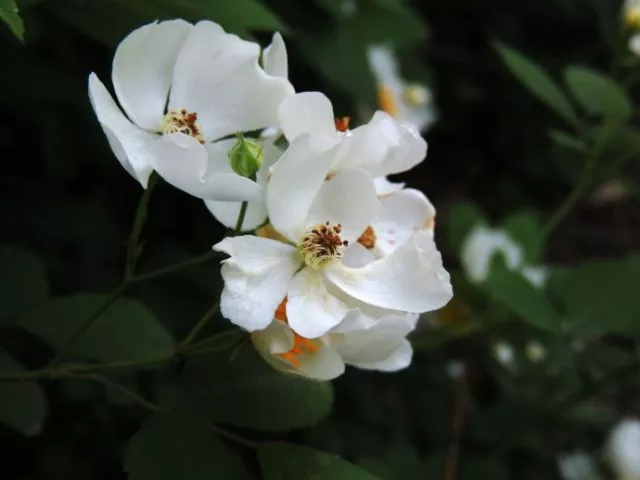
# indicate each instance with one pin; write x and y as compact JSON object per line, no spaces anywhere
{"x":341,"y":260}
{"x":631,"y":14}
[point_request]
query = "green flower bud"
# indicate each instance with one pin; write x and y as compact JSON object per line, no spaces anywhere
{"x":246,"y":157}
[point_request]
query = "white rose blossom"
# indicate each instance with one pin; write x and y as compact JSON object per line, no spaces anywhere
{"x":578,"y":465}
{"x":483,"y":243}
{"x":410,"y":104}
{"x":623,"y":449}
{"x":184,"y":88}
{"x":319,"y":266}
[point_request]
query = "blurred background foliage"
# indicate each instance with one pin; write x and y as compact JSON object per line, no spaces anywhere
{"x":533,"y":98}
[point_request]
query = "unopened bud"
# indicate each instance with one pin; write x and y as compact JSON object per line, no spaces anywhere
{"x":246,"y":157}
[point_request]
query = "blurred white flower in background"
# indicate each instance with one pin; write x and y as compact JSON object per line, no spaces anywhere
{"x":535,"y":351}
{"x":482,"y":243}
{"x":623,"y":449}
{"x":504,"y":354}
{"x":185,"y":88}
{"x":408,"y":103}
{"x":578,"y":465}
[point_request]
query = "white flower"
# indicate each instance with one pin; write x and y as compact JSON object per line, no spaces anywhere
{"x":504,"y":353}
{"x":631,"y":11}
{"x":381,"y":147}
{"x":320,"y":217}
{"x":185,"y":87}
{"x":535,"y":351}
{"x":382,"y":347}
{"x":634,"y":44}
{"x":578,"y":465}
{"x":408,"y":103}
{"x":623,"y":448}
{"x":483,"y":243}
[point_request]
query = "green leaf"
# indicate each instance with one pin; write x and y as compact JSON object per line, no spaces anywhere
{"x":127,"y":331}
{"x":525,"y":228}
{"x":170,"y":447}
{"x":538,"y":81}
{"x":601,"y":297}
{"x":622,"y":142}
{"x":463,"y":217}
{"x":598,"y":94}
{"x":23,"y":405}
{"x":568,"y":141}
{"x":513,"y":291}
{"x":247,"y":392}
{"x":10,"y":15}
{"x":284,"y":461}
{"x":23,"y":279}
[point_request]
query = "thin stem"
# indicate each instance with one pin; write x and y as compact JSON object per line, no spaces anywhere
{"x":121,"y":388}
{"x":241,"y":215}
{"x":68,"y":346}
{"x":223,"y":432}
{"x":163,"y":272}
{"x":133,"y":248}
{"x":199,"y":325}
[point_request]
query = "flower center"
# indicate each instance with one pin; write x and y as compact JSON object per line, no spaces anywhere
{"x":416,"y":95}
{"x":300,"y":346}
{"x":342,"y":123}
{"x":322,"y":245}
{"x":386,"y":102}
{"x":368,"y":238}
{"x":181,"y":121}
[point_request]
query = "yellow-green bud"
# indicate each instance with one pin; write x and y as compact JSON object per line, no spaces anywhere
{"x":246,"y":157}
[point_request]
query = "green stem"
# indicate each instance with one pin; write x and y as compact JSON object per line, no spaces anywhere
{"x":68,"y":346}
{"x":133,"y":248}
{"x":163,"y":272}
{"x":241,"y":215}
{"x":121,"y":388}
{"x":223,"y":432}
{"x":199,"y":325}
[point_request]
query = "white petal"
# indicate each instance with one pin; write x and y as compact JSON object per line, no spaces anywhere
{"x":383,"y":64}
{"x":349,"y":199}
{"x":255,"y":254}
{"x":323,"y":365}
{"x":143,"y":69}
{"x":399,"y":359}
{"x":411,"y":279}
{"x":307,"y":112}
{"x":295,"y":181}
{"x":385,"y":187}
{"x":217,"y":76}
{"x":227,"y":213}
{"x":402,"y":214}
{"x":479,"y":248}
{"x":311,"y":310}
{"x":356,"y":256}
{"x":274,"y":58}
{"x":125,"y":138}
{"x":183,"y":162}
{"x":537,"y":276}
{"x":250,"y":300}
{"x":634,"y":44}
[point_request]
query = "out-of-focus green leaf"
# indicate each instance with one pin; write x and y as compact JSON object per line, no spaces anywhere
{"x":170,"y":447}
{"x":244,"y":390}
{"x":284,"y":461}
{"x":10,"y":15}
{"x":462,"y":218}
{"x":512,"y":290}
{"x":622,"y":142}
{"x":598,"y":94}
{"x":538,"y":81}
{"x":525,"y":228}
{"x":568,"y":141}
{"x":601,"y":297}
{"x":23,"y":279}
{"x":23,"y":405}
{"x":127,"y":331}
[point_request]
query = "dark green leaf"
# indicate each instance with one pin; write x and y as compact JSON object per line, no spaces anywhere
{"x":127,"y":331}
{"x":247,"y":392}
{"x":568,"y":141}
{"x":170,"y":447}
{"x":9,"y":15}
{"x":23,"y":405}
{"x":511,"y":289}
{"x":622,"y":142}
{"x":23,"y":280}
{"x":598,"y":94}
{"x":538,"y":81}
{"x":284,"y":461}
{"x":525,"y":228}
{"x":463,"y":217}
{"x":601,"y":297}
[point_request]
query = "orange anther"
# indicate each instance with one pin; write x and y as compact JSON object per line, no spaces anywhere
{"x":342,"y":123}
{"x":386,"y":101}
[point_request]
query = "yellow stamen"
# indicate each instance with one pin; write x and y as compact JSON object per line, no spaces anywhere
{"x":181,"y":121}
{"x":386,"y":101}
{"x":322,"y":245}
{"x":300,"y":346}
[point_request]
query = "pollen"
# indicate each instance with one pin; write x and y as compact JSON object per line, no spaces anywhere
{"x":181,"y":121}
{"x":322,"y":245}
{"x":368,"y":238}
{"x":386,"y":101}
{"x":342,"y":123}
{"x":301,"y":345}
